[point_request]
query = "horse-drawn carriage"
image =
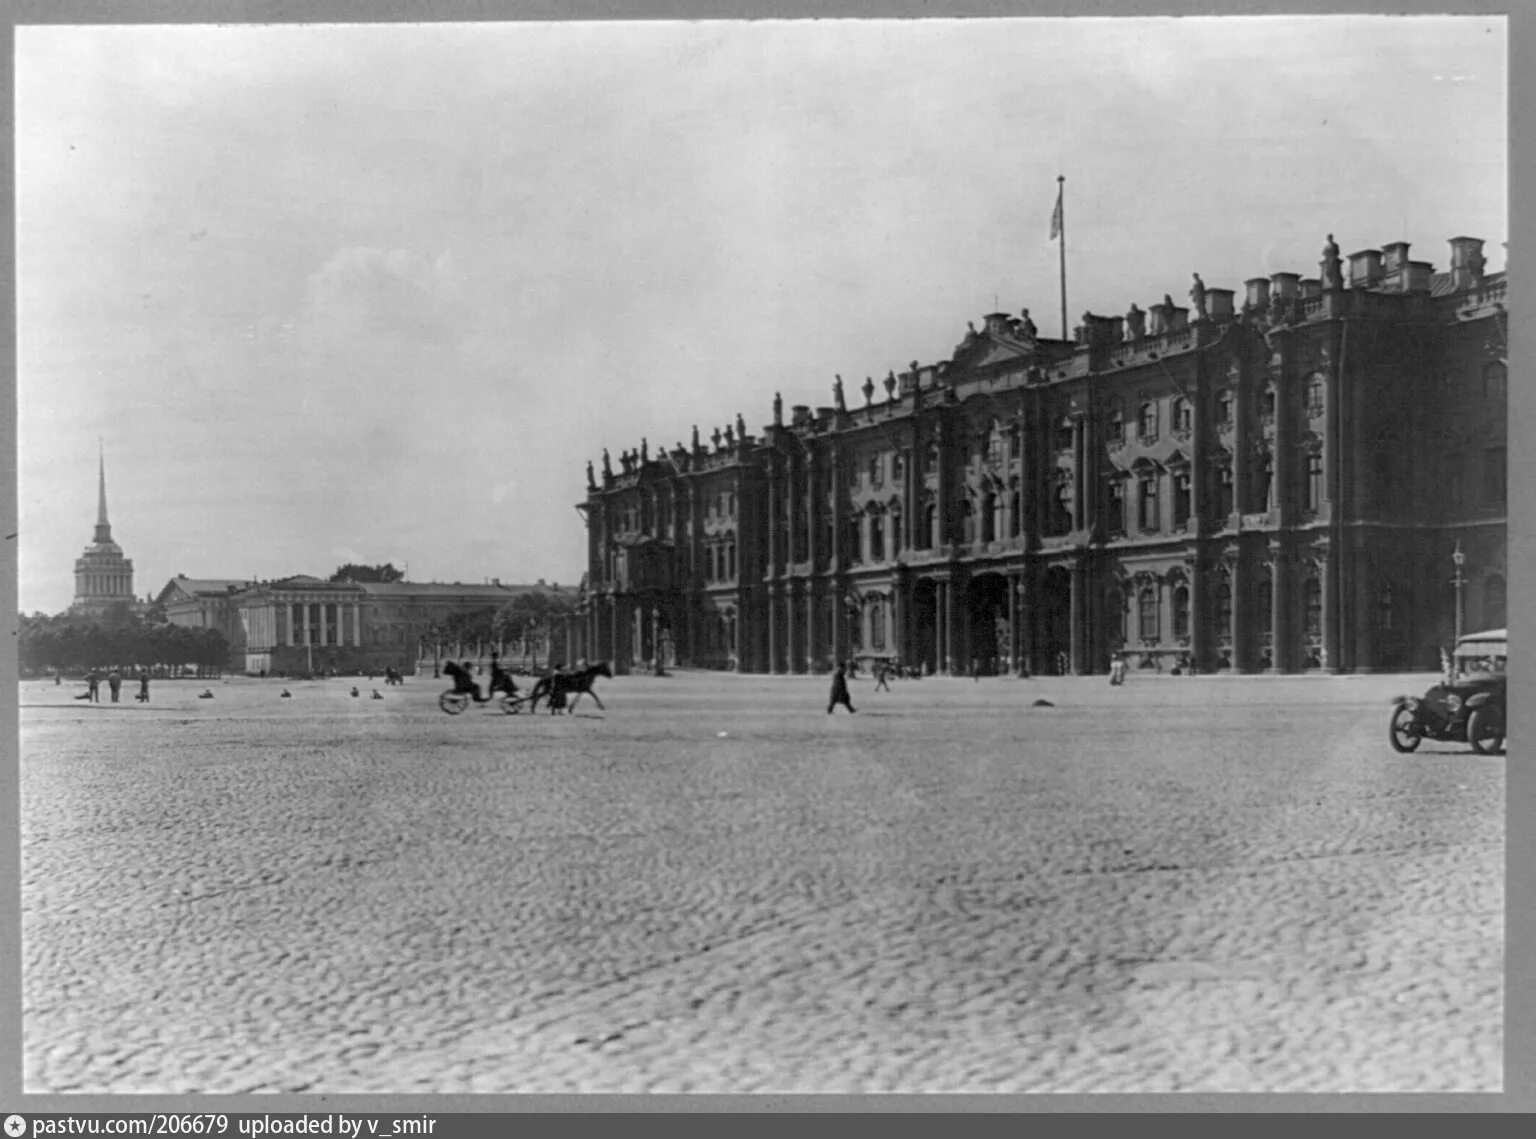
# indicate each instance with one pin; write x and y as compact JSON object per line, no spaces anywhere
{"x":559,"y":689}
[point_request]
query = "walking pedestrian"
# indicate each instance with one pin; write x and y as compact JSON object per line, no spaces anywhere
{"x":93,"y":686}
{"x":115,"y":683}
{"x":881,"y":673}
{"x":143,"y":696}
{"x":839,"y":692}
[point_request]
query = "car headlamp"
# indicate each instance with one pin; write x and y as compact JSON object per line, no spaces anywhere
{"x":1453,"y":702}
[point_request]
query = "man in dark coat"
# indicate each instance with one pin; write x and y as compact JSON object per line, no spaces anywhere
{"x":839,"y":692}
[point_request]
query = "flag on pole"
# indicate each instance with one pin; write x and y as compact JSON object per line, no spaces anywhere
{"x":1056,"y":214}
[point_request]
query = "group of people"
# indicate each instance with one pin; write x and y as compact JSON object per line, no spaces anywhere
{"x":114,"y":680}
{"x":501,"y":681}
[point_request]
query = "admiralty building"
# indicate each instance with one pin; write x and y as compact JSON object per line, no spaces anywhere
{"x":1277,"y":481}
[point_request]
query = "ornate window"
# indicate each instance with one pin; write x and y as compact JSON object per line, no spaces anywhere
{"x":1147,"y":604}
{"x":994,"y":445}
{"x":876,"y":537}
{"x":1224,"y":608}
{"x":931,"y":525}
{"x":1493,"y":602}
{"x":1146,"y":423}
{"x":1148,"y":509}
{"x":1314,"y":481}
{"x":855,"y":540}
{"x":876,"y":623}
{"x":1182,"y":496}
{"x":1115,"y":429}
{"x":1224,"y":405}
{"x":1317,"y":390}
{"x":1064,"y":434}
{"x":1312,"y":599}
{"x":896,"y":531}
{"x":967,"y":521}
{"x":1268,"y":404}
{"x":1115,"y":503}
{"x":898,"y":468}
{"x":1183,"y":416}
{"x":1181,"y":611}
{"x":1015,"y":514}
{"x":931,"y":457}
{"x":1264,"y":495}
{"x":1062,"y":501}
{"x":876,"y":471}
{"x":1224,"y":499}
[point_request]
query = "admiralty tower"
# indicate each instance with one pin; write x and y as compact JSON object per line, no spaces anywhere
{"x":103,"y":577}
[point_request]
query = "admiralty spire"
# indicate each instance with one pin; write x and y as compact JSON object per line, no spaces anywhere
{"x":103,"y":577}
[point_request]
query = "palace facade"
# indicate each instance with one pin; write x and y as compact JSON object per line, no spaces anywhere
{"x":1275,"y":483}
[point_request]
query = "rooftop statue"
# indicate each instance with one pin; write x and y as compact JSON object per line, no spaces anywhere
{"x":1197,"y":297}
{"x":1027,"y":329}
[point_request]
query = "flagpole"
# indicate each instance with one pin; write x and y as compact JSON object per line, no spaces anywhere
{"x":1061,"y":213}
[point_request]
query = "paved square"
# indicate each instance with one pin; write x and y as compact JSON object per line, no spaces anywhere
{"x":1223,"y":884}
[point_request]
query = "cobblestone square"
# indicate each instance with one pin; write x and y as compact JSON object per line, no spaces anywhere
{"x":1213,"y":884}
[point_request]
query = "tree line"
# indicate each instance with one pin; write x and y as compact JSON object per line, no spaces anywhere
{"x":122,"y":641}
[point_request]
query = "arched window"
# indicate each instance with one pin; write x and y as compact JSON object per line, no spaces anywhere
{"x":876,"y":537}
{"x":931,"y":457}
{"x":1146,"y":423}
{"x":1224,"y":490}
{"x":1114,"y":499}
{"x":1312,"y":598}
{"x":1147,"y":604}
{"x":1264,"y":493}
{"x":896,"y":534}
{"x":1062,"y":503}
{"x":1224,"y":609}
{"x":1015,"y":515}
{"x":1224,"y":408}
{"x":1268,"y":403}
{"x":1115,"y":430}
{"x":1493,"y":602}
{"x":967,"y":521}
{"x":1182,"y":496}
{"x":931,"y":524}
{"x":1064,"y":434}
{"x":1149,"y":508}
{"x":1316,"y":395}
{"x":1181,"y":611}
{"x":897,"y":468}
{"x":1314,"y":481}
{"x":876,"y":471}
{"x":855,"y":540}
{"x":989,"y":518}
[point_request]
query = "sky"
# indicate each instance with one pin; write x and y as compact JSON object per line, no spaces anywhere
{"x":378,"y":293}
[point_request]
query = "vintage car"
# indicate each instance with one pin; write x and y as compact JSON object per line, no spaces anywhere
{"x":1467,"y":706}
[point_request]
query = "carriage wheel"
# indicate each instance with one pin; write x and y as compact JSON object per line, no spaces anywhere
{"x":512,"y":705}
{"x":453,"y":702}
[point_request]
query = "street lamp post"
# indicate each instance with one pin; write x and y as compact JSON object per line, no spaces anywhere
{"x":1460,"y":559}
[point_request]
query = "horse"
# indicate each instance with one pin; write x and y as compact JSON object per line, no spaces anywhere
{"x":558,"y":685}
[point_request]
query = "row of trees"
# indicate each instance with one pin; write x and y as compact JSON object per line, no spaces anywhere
{"x":73,"y":644}
{"x":526,"y":619}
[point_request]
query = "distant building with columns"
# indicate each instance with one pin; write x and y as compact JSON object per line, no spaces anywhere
{"x":1275,"y":481}
{"x":103,"y":576}
{"x":300,"y":624}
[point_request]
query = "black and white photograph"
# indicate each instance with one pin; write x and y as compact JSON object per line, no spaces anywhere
{"x":780,"y":557}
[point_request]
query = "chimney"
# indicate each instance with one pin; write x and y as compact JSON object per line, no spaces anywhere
{"x":1394,"y":257}
{"x":1218,"y":304}
{"x":1284,"y":285}
{"x":1311,"y":287}
{"x":1364,"y":268}
{"x":1419,"y":277}
{"x":1258,"y":292}
{"x":1466,"y":261}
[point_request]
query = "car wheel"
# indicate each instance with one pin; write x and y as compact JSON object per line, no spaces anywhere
{"x":1404,"y":730}
{"x":1485,"y":731}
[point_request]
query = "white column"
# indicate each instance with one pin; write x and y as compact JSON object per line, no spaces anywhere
{"x":357,"y":625}
{"x":307,"y":622}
